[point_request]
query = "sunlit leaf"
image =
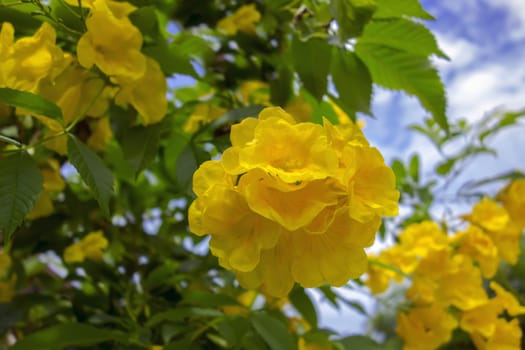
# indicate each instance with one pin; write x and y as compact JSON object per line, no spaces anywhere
{"x":30,"y":102}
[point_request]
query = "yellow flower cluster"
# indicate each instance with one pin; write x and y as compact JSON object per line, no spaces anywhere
{"x":90,"y":247}
{"x":243,"y":20}
{"x":292,"y":202}
{"x":448,"y":274}
{"x":112,"y":43}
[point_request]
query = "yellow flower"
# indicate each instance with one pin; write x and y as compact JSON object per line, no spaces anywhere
{"x":254,"y":92}
{"x":300,"y":109}
{"x":481,"y":319}
{"x":506,"y":336}
{"x":53,"y":182}
{"x":480,"y":247}
{"x":101,"y":134}
{"x":90,"y":247}
{"x":30,"y":59}
{"x":203,"y":114}
{"x":147,"y":94}
{"x":513,"y":198}
{"x":243,"y":20}
{"x":276,"y":198}
{"x":507,"y":300}
{"x":421,"y":238}
{"x":369,"y":198}
{"x":112,"y":42}
{"x":425,"y":328}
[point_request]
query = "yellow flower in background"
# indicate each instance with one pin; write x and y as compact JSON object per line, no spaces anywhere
{"x":480,"y":247}
{"x":243,"y":20}
{"x":481,"y":319}
{"x":278,"y":197}
{"x":112,"y":42}
{"x":53,"y":182}
{"x":506,"y":336}
{"x":425,"y":328}
{"x":513,"y":198}
{"x":489,"y":215}
{"x":421,"y":238}
{"x":5,"y":264}
{"x":254,"y":92}
{"x":28,"y":60}
{"x":147,"y":94}
{"x":101,"y":134}
{"x":507,"y":300}
{"x":300,"y":109}
{"x":90,"y":247}
{"x":203,"y":114}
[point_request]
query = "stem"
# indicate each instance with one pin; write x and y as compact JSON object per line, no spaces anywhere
{"x":11,"y":141}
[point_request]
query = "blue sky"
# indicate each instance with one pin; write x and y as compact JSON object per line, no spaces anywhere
{"x":485,"y":40}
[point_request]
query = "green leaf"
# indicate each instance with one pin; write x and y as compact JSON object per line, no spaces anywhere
{"x":140,"y":145}
{"x":413,"y":74}
{"x":330,"y":295}
{"x":30,"y":102}
{"x":170,"y":59}
{"x":402,"y":34}
{"x":360,"y":342}
{"x":145,"y":19}
{"x":233,"y":329}
{"x":302,"y":303}
{"x":68,"y":334}
{"x":273,"y":332}
{"x":186,"y":165}
{"x":352,"y":80}
{"x":311,"y":59}
{"x":352,"y":16}
{"x":505,"y":120}
{"x":92,"y":170}
{"x":20,"y":185}
{"x":401,"y":8}
{"x":414,"y":167}
{"x":189,"y":45}
{"x":202,"y":298}
{"x":179,"y":314}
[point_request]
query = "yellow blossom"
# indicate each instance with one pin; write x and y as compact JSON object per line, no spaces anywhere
{"x":243,"y":20}
{"x":507,"y":300}
{"x":150,"y":102}
{"x":302,"y":344}
{"x":112,"y":42}
{"x":203,"y":114}
{"x":28,"y":60}
{"x":480,"y":247}
{"x":254,"y":92}
{"x":300,"y":109}
{"x":277,"y":198}
{"x":101,"y":134}
{"x":90,"y":247}
{"x":425,"y":328}
{"x":481,"y":319}
{"x":513,"y":198}
{"x":506,"y":336}
{"x":53,"y":182}
{"x":489,"y":215}
{"x":421,"y":238}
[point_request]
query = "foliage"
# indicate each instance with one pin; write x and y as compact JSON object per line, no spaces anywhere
{"x":107,"y":110}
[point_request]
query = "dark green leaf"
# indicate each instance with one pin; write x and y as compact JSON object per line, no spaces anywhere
{"x":186,"y":165}
{"x":330,"y":295}
{"x":233,"y":329}
{"x":399,"y":171}
{"x":352,"y":80}
{"x":273,"y":332}
{"x":311,"y":59}
{"x":20,"y":185}
{"x":92,"y":170}
{"x":302,"y":303}
{"x":402,"y":34}
{"x":352,"y":16}
{"x":68,"y":334}
{"x":281,"y":87}
{"x":30,"y":102}
{"x":360,"y":342}
{"x":401,"y":8}
{"x":140,"y":145}
{"x":182,"y":313}
{"x":413,"y":74}
{"x":208,"y":299}
{"x":145,"y":19}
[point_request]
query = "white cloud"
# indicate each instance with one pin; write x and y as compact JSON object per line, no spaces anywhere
{"x":516,"y":11}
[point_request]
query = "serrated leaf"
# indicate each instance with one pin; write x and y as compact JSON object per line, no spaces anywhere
{"x":402,"y":34}
{"x":302,"y":303}
{"x":311,"y":59}
{"x":30,"y":102}
{"x":352,"y":16}
{"x":352,"y":80}
{"x":20,"y":185}
{"x":92,"y":170}
{"x":140,"y":145}
{"x":68,"y":334}
{"x":413,"y":74}
{"x":273,"y":332}
{"x":401,"y":8}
